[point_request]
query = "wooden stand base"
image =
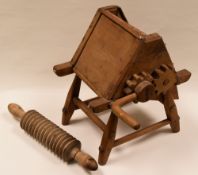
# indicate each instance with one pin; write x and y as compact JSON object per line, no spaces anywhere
{"x":108,"y":141}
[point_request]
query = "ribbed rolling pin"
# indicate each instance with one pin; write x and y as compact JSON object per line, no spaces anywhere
{"x":51,"y":136}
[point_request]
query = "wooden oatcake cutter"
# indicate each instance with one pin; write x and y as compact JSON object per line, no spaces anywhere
{"x":121,"y":64}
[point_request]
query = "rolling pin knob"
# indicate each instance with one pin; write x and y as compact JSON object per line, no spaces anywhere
{"x":84,"y":159}
{"x":16,"y":110}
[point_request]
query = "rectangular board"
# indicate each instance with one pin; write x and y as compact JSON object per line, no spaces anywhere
{"x":106,"y":56}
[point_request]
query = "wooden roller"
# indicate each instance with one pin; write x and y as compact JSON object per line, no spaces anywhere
{"x":51,"y":136}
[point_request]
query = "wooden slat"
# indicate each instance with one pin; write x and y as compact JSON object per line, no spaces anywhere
{"x":171,"y":111}
{"x":141,"y":132}
{"x":86,"y":38}
{"x":116,"y":10}
{"x":108,"y":139}
{"x":129,"y":28}
{"x":69,"y":106}
{"x":96,"y":104}
{"x":63,"y":69}
{"x":99,"y":104}
{"x":89,"y":113}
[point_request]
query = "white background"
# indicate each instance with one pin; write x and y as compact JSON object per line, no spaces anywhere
{"x":35,"y":35}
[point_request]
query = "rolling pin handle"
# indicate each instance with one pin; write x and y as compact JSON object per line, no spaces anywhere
{"x":84,"y":159}
{"x":16,"y":110}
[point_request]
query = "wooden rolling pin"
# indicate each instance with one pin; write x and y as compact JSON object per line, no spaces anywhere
{"x":51,"y":136}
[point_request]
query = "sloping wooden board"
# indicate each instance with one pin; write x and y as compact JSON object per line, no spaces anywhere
{"x":106,"y":56}
{"x":112,"y":50}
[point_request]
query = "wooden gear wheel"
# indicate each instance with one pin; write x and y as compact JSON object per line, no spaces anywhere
{"x":164,"y":78}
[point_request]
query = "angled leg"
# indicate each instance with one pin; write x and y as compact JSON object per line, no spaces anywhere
{"x":108,"y":139}
{"x":171,"y":112}
{"x":69,"y":106}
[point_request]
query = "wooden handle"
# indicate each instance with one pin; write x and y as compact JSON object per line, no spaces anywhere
{"x":116,"y":108}
{"x":84,"y":159}
{"x":183,"y":76}
{"x":63,"y":69}
{"x":16,"y":110}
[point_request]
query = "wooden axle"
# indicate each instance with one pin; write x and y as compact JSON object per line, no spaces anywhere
{"x":51,"y":136}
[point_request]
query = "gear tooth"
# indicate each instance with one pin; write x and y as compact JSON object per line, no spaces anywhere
{"x":159,"y":72}
{"x":141,"y":78}
{"x":131,"y":83}
{"x":147,"y":76}
{"x":144,"y":74}
{"x":170,"y":67}
{"x":150,"y":78}
{"x":163,"y":79}
{"x":138,"y":78}
{"x":135,"y":76}
{"x":164,"y":67}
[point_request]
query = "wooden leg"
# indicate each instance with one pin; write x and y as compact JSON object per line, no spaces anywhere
{"x":108,"y":139}
{"x":69,"y":106}
{"x":171,"y":112}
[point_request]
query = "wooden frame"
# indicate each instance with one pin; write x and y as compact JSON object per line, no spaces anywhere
{"x":138,"y":68}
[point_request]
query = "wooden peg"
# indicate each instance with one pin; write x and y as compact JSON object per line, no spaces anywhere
{"x":63,"y":69}
{"x":183,"y":76}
